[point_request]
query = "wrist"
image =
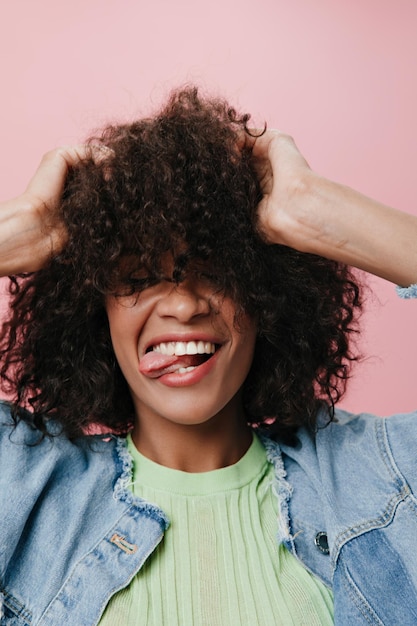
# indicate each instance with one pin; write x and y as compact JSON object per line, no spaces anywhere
{"x":298,"y":217}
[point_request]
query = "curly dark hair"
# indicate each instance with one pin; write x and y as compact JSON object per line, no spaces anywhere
{"x":175,"y":182}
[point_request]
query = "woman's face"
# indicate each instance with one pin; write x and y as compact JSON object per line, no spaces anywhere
{"x":182,"y":355}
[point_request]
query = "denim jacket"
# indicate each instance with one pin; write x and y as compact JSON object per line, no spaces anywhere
{"x":72,"y":534}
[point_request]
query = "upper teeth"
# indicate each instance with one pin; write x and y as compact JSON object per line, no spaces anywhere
{"x":179,"y":348}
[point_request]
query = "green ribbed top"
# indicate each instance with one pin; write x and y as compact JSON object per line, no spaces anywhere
{"x":219,"y":563}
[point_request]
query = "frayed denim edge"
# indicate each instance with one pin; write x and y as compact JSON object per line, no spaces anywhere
{"x":282,"y":490}
{"x":122,"y":491}
{"x":407,"y":292}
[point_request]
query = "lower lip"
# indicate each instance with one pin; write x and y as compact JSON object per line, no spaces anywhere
{"x":189,"y":378}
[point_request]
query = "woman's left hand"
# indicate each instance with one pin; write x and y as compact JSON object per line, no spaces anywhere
{"x":305,"y":211}
{"x":283,"y":172}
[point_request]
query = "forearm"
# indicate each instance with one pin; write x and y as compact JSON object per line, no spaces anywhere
{"x":339,"y":223}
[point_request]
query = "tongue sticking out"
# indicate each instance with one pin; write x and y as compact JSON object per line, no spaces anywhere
{"x":154,"y":364}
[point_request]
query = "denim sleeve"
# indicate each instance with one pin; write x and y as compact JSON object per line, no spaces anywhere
{"x":402,"y":440}
{"x":402,"y":429}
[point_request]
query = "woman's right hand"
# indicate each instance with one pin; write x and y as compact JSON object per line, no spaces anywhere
{"x":31,"y":231}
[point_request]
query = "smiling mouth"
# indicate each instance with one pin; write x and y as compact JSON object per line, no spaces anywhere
{"x":178,"y":357}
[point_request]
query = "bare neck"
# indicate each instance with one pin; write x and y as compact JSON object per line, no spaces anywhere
{"x":216,"y":443}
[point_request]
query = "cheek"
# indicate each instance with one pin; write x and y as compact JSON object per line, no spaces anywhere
{"x":126,"y":313}
{"x":245,"y":341}
{"x":124,"y":324}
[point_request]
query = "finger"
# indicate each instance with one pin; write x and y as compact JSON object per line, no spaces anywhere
{"x":64,"y":157}
{"x":72,"y":155}
{"x":48,"y":182}
{"x":100,"y":153}
{"x":247,"y":137}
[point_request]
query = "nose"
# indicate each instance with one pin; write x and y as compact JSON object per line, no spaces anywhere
{"x":184,"y":301}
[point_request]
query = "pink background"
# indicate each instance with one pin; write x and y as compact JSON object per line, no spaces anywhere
{"x":340,"y":76}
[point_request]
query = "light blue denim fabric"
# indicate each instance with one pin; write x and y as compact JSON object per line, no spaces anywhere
{"x":355,"y":483}
{"x":72,"y":534}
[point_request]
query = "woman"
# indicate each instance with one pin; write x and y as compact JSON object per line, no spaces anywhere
{"x":188,"y":284}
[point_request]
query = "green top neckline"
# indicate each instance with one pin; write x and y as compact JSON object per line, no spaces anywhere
{"x":150,"y":474}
